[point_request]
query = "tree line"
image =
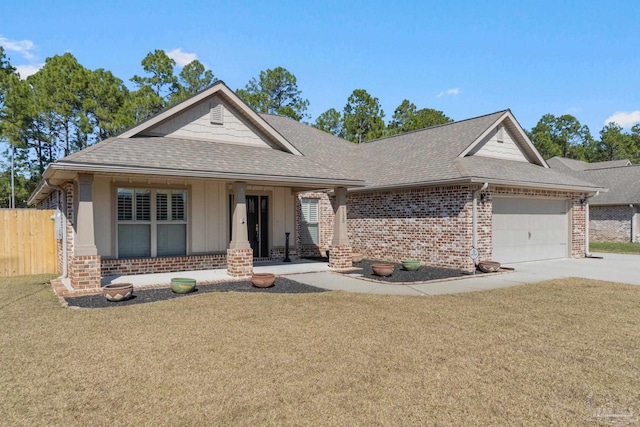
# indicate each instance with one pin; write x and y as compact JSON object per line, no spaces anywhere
{"x":65,"y":107}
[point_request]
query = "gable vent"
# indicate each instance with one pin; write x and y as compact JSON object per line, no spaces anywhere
{"x":500,"y":133}
{"x":217,"y":115}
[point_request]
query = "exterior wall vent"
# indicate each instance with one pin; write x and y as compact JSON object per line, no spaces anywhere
{"x":217,"y":115}
{"x":500,"y":133}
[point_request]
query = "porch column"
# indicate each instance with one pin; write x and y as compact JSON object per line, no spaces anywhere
{"x":239,"y":254}
{"x":84,"y":269}
{"x":340,"y":250}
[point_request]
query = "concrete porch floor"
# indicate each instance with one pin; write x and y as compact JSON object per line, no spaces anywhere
{"x":220,"y":274}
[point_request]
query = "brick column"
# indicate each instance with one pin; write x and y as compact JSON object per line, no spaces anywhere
{"x":239,"y":254}
{"x":340,"y":257}
{"x":85,"y":272}
{"x":84,"y":264}
{"x":340,"y":250}
{"x":578,"y":228}
{"x":240,"y":262}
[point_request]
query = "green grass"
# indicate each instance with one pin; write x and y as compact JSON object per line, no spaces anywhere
{"x":563,"y":352}
{"x":615,"y":247}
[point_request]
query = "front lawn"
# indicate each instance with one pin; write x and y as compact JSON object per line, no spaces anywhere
{"x":564,"y":352}
{"x":615,"y":247}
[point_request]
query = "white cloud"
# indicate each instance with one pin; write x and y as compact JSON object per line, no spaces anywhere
{"x":181,"y":58}
{"x":454,"y":91}
{"x":23,"y":47}
{"x":28,"y":70}
{"x":624,"y":119}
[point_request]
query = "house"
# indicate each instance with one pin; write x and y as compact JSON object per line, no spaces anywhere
{"x":209,"y":183}
{"x":613,"y":216}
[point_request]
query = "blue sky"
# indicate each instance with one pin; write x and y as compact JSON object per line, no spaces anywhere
{"x":466,"y":58}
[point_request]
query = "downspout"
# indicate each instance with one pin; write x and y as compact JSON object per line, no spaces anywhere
{"x":586,"y":226}
{"x":633,"y":223}
{"x":65,"y":261}
{"x":474,"y":216}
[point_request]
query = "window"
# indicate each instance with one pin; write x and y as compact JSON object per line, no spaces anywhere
{"x":151,"y":222}
{"x":309,"y":226}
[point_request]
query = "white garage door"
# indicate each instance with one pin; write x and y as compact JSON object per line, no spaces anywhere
{"x":530,"y":229}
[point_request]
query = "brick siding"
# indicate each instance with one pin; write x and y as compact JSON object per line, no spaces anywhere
{"x":433,"y":225}
{"x":240,"y":262}
{"x":610,"y":223}
{"x":163,"y":265}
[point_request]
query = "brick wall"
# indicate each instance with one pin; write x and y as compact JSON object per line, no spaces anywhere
{"x":163,"y":265}
{"x":610,"y":223}
{"x":326,"y":209}
{"x":433,"y":225}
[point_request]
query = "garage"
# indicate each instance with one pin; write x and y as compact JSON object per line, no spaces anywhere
{"x":530,"y":229}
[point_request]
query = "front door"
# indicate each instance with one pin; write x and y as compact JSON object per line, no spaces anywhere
{"x":258,"y":225}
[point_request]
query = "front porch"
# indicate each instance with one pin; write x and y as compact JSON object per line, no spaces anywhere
{"x":63,"y":287}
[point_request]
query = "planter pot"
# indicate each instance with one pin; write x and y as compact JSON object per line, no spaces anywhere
{"x":383,"y":269}
{"x":263,"y":280}
{"x":411,"y":264}
{"x":489,"y":266}
{"x":181,"y":285}
{"x":357,"y":257}
{"x":117,"y":291}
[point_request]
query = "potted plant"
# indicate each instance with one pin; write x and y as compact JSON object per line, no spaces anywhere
{"x":117,"y":291}
{"x":182,"y":285}
{"x":411,"y":264}
{"x":383,"y":270}
{"x":263,"y":280}
{"x":489,"y":266}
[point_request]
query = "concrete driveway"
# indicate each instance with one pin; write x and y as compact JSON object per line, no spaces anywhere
{"x":612,"y":267}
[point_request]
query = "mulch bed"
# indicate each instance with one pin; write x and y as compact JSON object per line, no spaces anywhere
{"x":281,"y":286}
{"x":423,"y":274}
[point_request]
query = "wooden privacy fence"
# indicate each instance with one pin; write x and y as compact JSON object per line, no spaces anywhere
{"x":27,"y":242}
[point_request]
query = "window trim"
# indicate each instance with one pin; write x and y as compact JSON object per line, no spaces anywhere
{"x":303,"y":223}
{"x":153,"y":222}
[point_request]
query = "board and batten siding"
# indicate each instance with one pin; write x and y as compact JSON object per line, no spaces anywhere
{"x":208,"y":212}
{"x":195,"y":123}
{"x":508,"y":149}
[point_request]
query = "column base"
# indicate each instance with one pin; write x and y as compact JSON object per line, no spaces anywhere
{"x":340,"y":257}
{"x":240,"y":262}
{"x":85,"y":271}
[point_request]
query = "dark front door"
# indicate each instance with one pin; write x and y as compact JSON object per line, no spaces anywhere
{"x":258,"y":225}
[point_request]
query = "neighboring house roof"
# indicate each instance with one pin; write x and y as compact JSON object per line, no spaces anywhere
{"x":215,"y":135}
{"x":579,"y":165}
{"x":619,"y":176}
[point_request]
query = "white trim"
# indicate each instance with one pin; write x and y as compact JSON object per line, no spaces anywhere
{"x":521,"y":138}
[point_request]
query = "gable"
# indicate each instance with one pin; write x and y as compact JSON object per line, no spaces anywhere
{"x":499,"y":144}
{"x":210,"y":120}
{"x":194,"y":116}
{"x":506,"y":140}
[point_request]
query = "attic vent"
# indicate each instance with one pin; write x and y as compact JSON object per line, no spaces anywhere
{"x":217,"y":115}
{"x":501,"y":134}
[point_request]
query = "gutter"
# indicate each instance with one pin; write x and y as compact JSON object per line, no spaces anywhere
{"x":475,"y":216}
{"x":65,"y":261}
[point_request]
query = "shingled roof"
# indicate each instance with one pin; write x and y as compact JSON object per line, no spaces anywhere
{"x":424,"y":157}
{"x":619,"y":176}
{"x":304,"y":157}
